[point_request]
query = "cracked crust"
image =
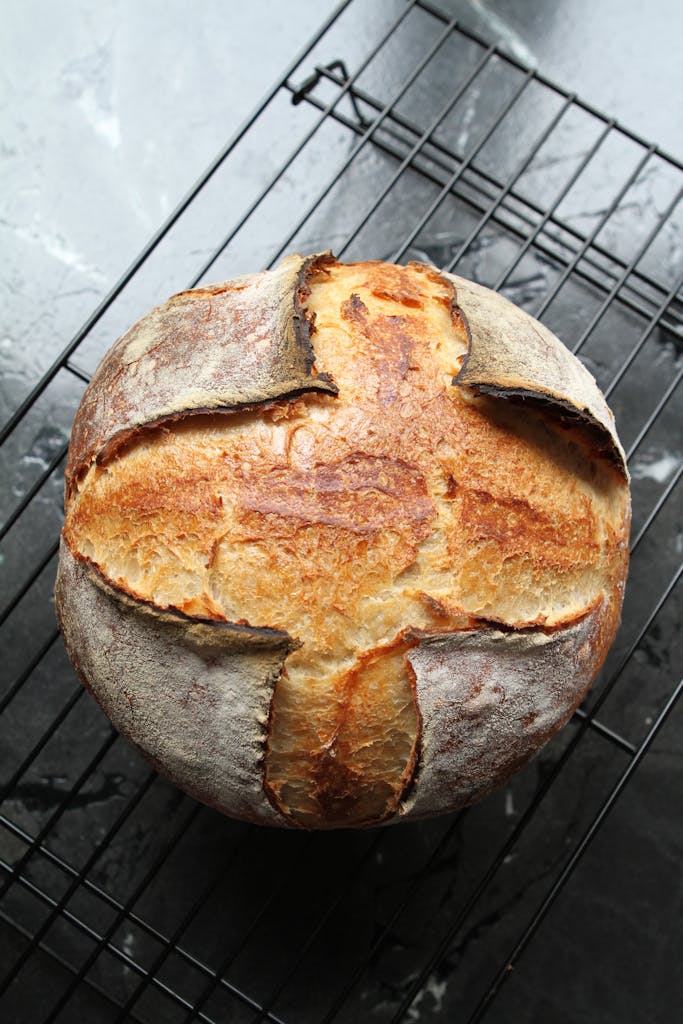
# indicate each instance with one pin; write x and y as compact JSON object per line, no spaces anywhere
{"x":221,"y":347}
{"x":414,"y":583}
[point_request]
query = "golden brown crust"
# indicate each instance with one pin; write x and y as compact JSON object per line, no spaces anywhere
{"x":384,"y":527}
{"x":333,"y":769}
{"x":220,"y":347}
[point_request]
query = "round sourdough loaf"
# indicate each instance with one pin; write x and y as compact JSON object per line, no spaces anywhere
{"x":344,"y":544}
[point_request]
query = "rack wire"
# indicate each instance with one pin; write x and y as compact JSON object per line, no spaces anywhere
{"x":124,"y":898}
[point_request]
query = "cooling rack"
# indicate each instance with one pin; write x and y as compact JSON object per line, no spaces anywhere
{"x":121,"y":899}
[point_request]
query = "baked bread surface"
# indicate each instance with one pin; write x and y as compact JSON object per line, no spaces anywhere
{"x":358,"y":534}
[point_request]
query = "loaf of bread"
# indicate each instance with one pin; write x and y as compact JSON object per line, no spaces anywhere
{"x":344,"y":544}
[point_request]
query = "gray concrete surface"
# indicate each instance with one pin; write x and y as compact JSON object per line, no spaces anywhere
{"x":109,"y":112}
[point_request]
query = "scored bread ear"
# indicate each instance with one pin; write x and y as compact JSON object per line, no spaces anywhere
{"x":222,"y":347}
{"x":489,"y":699}
{"x":512,"y":355}
{"x":193,"y":696}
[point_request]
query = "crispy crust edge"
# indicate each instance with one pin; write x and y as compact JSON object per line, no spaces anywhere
{"x":192,"y":696}
{"x":512,"y":355}
{"x":490,"y":700}
{"x":106,"y":420}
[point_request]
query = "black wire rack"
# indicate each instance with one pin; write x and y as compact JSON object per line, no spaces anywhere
{"x":120,"y":898}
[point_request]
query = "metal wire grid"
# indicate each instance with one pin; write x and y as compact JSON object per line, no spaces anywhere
{"x":36,"y":872}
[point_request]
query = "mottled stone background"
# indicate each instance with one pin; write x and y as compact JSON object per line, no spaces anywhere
{"x":109,"y":113}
